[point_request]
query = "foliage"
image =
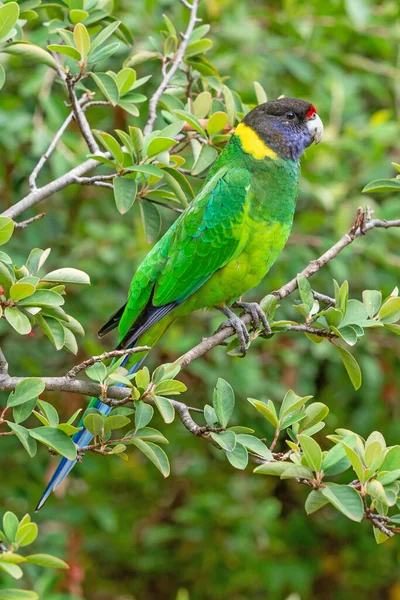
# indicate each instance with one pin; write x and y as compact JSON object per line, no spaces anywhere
{"x":143,"y":177}
{"x":18,"y":534}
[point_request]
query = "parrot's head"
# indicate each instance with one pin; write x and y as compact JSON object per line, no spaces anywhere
{"x":286,"y":126}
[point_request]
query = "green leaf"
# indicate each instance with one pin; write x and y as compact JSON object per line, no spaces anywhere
{"x":147,"y":169}
{"x":345,"y":499}
{"x":210,"y":416}
{"x":67,"y":275}
{"x":254,"y":445}
{"x":125,"y":80}
{"x":25,"y":390}
{"x":56,"y":439}
{"x":36,"y":259}
{"x":216,"y":122}
{"x":291,"y":403}
{"x":23,"y":435}
{"x":143,"y":414}
{"x":13,"y":570}
{"x":115,"y":422}
{"x":311,"y":451}
{"x":165,"y":407}
{"x":82,"y":40}
{"x":26,"y":534}
{"x":382,"y":185}
{"x":9,"y":14}
{"x":265,"y":410}
{"x":207,"y":156}
{"x":31,"y":52}
{"x":66,"y":50}
{"x":77,"y":16}
{"x":170,"y":387}
{"x":355,"y":461}
{"x":17,"y":320}
{"x":315,"y":501}
{"x":332,"y":457}
{"x":103,"y":53}
{"x":294,"y":471}
{"x":155,"y":454}
{"x":239,"y":457}
{"x":94,"y":423}
{"x":260,"y":93}
{"x":14,"y":594}
{"x":372,"y":300}
{"x":10,"y":526}
{"x":160,"y":144}
{"x":198,"y":47}
{"x":53,"y":329}
{"x":305,"y":291}
{"x":46,"y":560}
{"x":49,"y":412}
{"x":150,"y":434}
{"x":125,"y":191}
{"x":392,"y":459}
{"x":223,"y":401}
{"x":107,"y":85}
{"x":43,"y":298}
{"x":315,"y":413}
{"x":202,"y":105}
{"x":97,"y":372}
{"x":351,"y":365}
{"x":23,"y":411}
{"x":225,"y":439}
{"x":110,"y":144}
{"x":355,"y":312}
{"x":2,"y":76}
{"x":18,"y":291}
{"x":151,"y":220}
{"x":104,"y":35}
{"x":166,"y":371}
{"x":390,"y":311}
{"x":229,"y":105}
{"x":6,"y":224}
{"x":191,"y":120}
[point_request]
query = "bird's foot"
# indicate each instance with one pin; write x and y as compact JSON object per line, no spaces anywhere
{"x":238,"y":325}
{"x":257,"y":315}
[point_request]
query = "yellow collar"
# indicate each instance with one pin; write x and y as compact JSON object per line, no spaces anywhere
{"x":253,"y":144}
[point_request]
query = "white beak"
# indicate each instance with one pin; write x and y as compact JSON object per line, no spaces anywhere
{"x":316,"y":128}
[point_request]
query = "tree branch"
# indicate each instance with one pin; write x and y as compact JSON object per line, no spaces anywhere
{"x":176,"y":62}
{"x":24,"y":224}
{"x":47,"y":190}
{"x":359,"y":228}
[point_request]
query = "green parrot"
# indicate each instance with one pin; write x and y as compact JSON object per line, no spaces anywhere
{"x":224,"y":243}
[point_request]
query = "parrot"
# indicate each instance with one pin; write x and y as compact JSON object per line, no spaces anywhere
{"x":224,"y":242}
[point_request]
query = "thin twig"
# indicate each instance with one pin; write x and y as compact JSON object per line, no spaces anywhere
{"x":24,"y":224}
{"x":80,"y":117}
{"x":72,"y":373}
{"x":3,"y":364}
{"x":174,"y":66}
{"x":51,"y":148}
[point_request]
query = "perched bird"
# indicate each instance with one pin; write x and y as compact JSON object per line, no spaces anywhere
{"x":224,"y":243}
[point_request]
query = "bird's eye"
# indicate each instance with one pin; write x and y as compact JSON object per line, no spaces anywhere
{"x":290,"y":115}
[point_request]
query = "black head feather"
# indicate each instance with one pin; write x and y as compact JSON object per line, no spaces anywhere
{"x":282,"y":125}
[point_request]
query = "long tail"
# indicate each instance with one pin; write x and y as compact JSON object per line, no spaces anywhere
{"x":81,"y":439}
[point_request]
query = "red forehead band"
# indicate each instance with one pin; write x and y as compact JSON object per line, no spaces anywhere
{"x":311,"y":111}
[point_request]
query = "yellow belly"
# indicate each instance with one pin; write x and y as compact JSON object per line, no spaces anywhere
{"x":243,"y":272}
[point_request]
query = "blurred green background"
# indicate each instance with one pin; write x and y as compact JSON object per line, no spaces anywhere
{"x":208,"y":530}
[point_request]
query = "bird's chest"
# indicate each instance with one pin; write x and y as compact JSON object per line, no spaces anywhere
{"x":264,"y":245}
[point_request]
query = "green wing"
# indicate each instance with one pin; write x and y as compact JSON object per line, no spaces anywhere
{"x":209,"y":234}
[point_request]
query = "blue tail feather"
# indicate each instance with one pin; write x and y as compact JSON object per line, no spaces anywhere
{"x":82,"y":438}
